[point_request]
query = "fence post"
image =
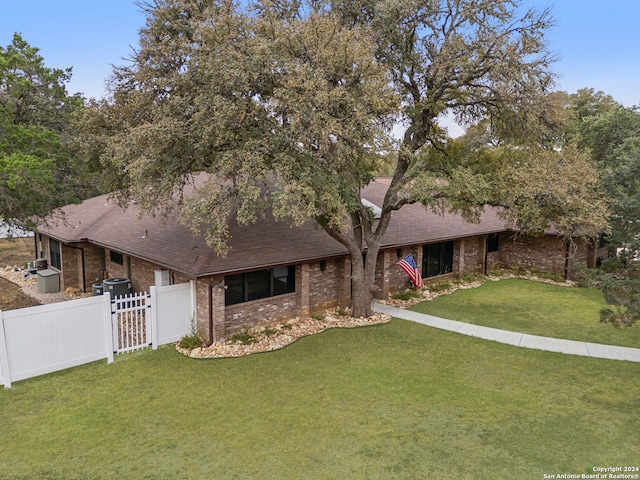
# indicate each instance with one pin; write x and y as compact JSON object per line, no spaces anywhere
{"x":108,"y":326}
{"x":4,"y":356}
{"x":153,"y":291}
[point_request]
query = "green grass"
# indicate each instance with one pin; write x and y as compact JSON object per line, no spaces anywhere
{"x":535,"y":308}
{"x":395,"y":401}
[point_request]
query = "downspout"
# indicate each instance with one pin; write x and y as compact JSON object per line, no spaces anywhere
{"x":210,"y":339}
{"x":35,"y":244}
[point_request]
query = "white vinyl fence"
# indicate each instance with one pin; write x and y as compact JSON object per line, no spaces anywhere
{"x":48,"y":338}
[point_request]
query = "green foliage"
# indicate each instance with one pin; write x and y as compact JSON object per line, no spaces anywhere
{"x":244,"y":337}
{"x":268,"y":331}
{"x":470,"y":277}
{"x":341,"y":312}
{"x":406,"y":295}
{"x":439,"y":286}
{"x":38,"y":171}
{"x":318,"y":316}
{"x":619,"y":280}
{"x":191,"y":341}
{"x":289,"y":105}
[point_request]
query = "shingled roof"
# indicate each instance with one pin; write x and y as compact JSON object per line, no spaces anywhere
{"x":266,"y":243}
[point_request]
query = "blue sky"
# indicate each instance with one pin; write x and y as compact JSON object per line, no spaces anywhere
{"x":597,"y":42}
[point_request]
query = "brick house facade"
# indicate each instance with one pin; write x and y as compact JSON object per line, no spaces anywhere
{"x":274,"y":272}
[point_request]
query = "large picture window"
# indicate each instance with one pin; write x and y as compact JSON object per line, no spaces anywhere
{"x":54,"y":254}
{"x":437,"y":259}
{"x":245,"y":287}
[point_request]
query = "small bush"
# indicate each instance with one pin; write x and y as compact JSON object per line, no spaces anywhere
{"x":473,"y":277}
{"x":406,"y":295}
{"x":244,"y":337}
{"x":268,"y":331}
{"x":439,"y":287}
{"x":286,"y":326}
{"x":191,"y":341}
{"x":341,"y":312}
{"x":318,"y":316}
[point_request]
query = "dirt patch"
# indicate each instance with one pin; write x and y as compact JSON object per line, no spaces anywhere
{"x":15,"y":253}
{"x":12,"y":297}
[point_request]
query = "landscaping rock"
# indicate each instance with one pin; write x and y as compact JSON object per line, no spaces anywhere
{"x":285,"y":334}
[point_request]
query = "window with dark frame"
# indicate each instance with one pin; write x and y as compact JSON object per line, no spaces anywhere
{"x":55,"y":254}
{"x":245,"y":287}
{"x":437,"y":259}
{"x":116,"y":257}
{"x":493,"y":244}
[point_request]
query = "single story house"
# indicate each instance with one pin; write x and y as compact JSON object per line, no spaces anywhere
{"x":273,"y":271}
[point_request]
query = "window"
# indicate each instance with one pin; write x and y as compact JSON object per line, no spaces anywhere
{"x":245,"y":287}
{"x":54,"y":254}
{"x":437,"y":259}
{"x":492,"y":243}
{"x":116,"y":257}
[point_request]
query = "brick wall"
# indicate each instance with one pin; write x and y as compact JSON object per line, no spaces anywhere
{"x":316,"y":290}
{"x":545,"y":253}
{"x":143,"y":274}
{"x":94,"y":264}
{"x":71,"y":275}
{"x":325,"y":285}
{"x":470,"y":254}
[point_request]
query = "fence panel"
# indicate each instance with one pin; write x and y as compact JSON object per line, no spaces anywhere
{"x":173,"y":307}
{"x":53,"y":337}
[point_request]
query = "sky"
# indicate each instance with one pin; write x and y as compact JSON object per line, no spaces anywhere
{"x":597,"y":42}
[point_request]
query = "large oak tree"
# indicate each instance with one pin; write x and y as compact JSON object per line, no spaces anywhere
{"x":291,"y":105}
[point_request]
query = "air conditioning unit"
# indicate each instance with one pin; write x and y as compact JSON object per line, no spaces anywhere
{"x":162,"y":278}
{"x":117,"y":287}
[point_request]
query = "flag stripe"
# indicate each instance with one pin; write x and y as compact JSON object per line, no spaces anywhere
{"x":409,"y":266}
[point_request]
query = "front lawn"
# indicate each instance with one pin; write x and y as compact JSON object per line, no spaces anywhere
{"x":395,"y":401}
{"x":535,"y":308}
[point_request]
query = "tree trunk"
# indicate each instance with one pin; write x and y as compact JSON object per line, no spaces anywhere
{"x":361,"y":289}
{"x":363,"y":279}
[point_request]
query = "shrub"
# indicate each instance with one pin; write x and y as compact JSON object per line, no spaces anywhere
{"x":341,"y":312}
{"x":316,"y":316}
{"x":473,"y":277}
{"x":406,"y":295}
{"x":191,"y":341}
{"x":439,"y":287}
{"x":244,"y":337}
{"x":268,"y":331}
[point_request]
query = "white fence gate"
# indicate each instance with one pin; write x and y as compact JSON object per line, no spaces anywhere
{"x":131,"y":320}
{"x":47,"y":338}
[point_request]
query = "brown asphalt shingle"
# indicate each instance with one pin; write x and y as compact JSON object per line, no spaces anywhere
{"x":260,"y":245}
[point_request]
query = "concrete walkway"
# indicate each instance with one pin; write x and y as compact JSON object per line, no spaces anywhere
{"x":524,"y":340}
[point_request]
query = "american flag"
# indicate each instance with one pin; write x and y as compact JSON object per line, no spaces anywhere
{"x":408,"y":264}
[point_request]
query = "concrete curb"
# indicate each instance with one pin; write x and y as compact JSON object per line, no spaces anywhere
{"x":524,"y":340}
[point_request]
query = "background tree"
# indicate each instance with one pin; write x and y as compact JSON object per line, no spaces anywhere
{"x":290,"y":104}
{"x":37,"y":169}
{"x":610,"y":134}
